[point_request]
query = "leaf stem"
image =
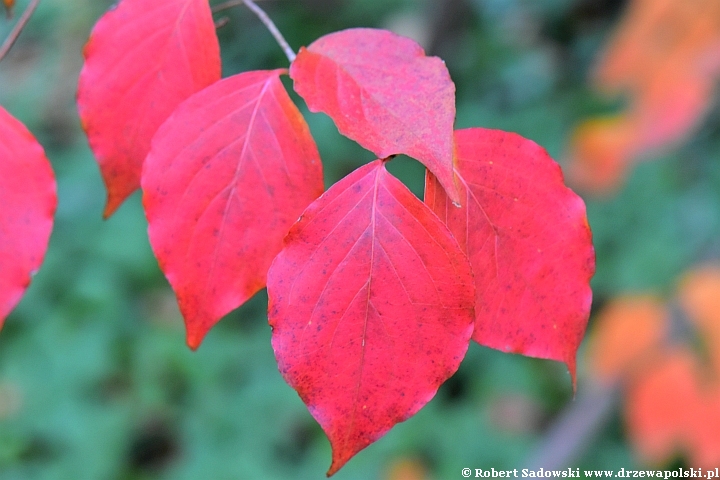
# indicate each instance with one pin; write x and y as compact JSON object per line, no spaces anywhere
{"x":15,"y":33}
{"x":289,"y":53}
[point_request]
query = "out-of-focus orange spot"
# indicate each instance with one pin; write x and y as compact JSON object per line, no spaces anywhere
{"x":674,"y":408}
{"x":601,"y":148}
{"x":626,"y":334}
{"x":665,"y":57}
{"x":704,"y":445}
{"x":407,"y":469}
{"x":659,"y":408}
{"x":672,"y":398}
{"x":699,"y":294}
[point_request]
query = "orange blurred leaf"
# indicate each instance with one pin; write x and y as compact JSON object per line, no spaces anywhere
{"x":672,"y":408}
{"x":665,"y":56}
{"x":704,"y":442}
{"x":601,"y":149}
{"x":626,"y":333}
{"x":658,"y":407}
{"x":673,"y":401}
{"x":406,"y":469}
{"x":699,"y":294}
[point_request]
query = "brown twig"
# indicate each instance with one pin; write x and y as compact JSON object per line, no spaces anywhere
{"x":15,"y":33}
{"x":289,"y":53}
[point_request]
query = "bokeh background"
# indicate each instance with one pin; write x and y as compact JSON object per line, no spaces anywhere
{"x":96,"y":381}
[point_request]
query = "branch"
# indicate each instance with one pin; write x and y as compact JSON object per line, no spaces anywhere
{"x":573,"y":431}
{"x":15,"y":33}
{"x":289,"y":53}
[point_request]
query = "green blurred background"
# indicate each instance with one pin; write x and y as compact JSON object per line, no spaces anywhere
{"x":95,"y":379}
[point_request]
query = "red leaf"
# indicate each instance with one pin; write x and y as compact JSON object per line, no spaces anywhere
{"x":228,"y":173}
{"x":383,"y":92}
{"x":142,"y":59}
{"x":27,"y":206}
{"x":527,"y":237}
{"x":371,"y":305}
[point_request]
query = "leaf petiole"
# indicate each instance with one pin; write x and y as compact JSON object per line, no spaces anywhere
{"x":289,"y":53}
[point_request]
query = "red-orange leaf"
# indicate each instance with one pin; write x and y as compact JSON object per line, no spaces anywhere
{"x":27,"y":206}
{"x":383,"y":92}
{"x":371,"y":305}
{"x":143,"y":59}
{"x":527,"y":237}
{"x":229,"y":172}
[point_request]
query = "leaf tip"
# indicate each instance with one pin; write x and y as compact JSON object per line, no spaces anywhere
{"x":452,"y":189}
{"x":337,"y":463}
{"x":194,"y":338}
{"x":109,"y":210}
{"x":114,"y":200}
{"x":572,"y":370}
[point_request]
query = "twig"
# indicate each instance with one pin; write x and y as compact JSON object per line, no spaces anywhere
{"x":289,"y":53}
{"x":221,"y":22}
{"x":273,"y":29}
{"x":15,"y":33}
{"x":573,"y":431}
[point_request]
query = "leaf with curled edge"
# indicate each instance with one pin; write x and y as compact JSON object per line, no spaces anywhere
{"x":383,"y":92}
{"x":371,"y":306}
{"x":142,"y":59}
{"x":227,"y":175}
{"x":529,"y":243}
{"x":27,"y":205}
